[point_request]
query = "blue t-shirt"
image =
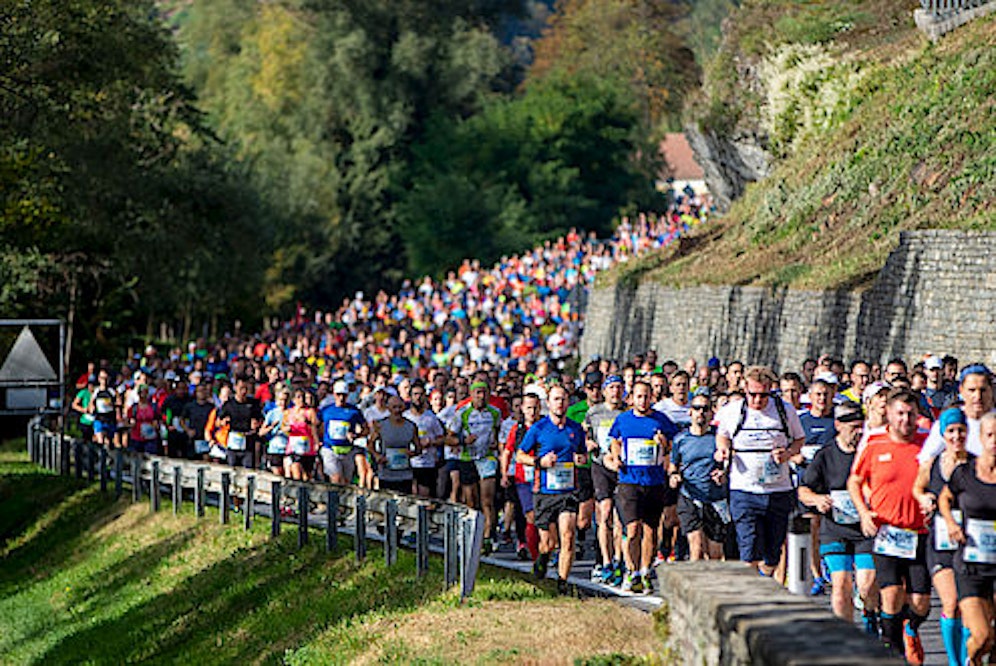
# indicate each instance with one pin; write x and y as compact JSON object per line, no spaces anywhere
{"x":693,"y":456}
{"x":544,"y":437}
{"x":337,"y":423}
{"x":639,"y":461}
{"x":820,"y":431}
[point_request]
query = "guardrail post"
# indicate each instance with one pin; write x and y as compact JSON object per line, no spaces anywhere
{"x":199,"y":493}
{"x":361,"y":528}
{"x":91,"y":462}
{"x":275,"y":501}
{"x":464,"y":542}
{"x":118,"y":473}
{"x":331,"y":520}
{"x":47,"y":451}
{"x":391,"y":533}
{"x":102,"y":456}
{"x":177,"y":489}
{"x":422,"y":541}
{"x":63,"y":456}
{"x":154,"y":487}
{"x":226,"y":499}
{"x":450,"y":554}
{"x":136,"y":481}
{"x":250,"y":500}
{"x":302,"y":516}
{"x":78,"y":454}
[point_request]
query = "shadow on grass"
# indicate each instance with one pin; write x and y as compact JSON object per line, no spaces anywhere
{"x":254,"y":605}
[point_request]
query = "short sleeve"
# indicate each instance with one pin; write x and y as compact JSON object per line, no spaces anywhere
{"x":796,"y":431}
{"x":528,"y":443}
{"x":815,"y":478}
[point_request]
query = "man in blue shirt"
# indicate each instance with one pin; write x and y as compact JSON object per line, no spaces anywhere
{"x":555,"y":445}
{"x":342,"y":423}
{"x":641,"y":440}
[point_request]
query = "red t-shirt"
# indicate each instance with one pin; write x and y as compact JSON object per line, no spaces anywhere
{"x":889,"y":469}
{"x":512,"y":445}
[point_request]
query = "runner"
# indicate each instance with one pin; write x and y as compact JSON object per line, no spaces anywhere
{"x":555,"y":444}
{"x":242,"y":416}
{"x":972,"y":487}
{"x":641,"y":440}
{"x":598,"y":422}
{"x":976,"y":393}
{"x":300,"y":423}
{"x":586,"y":489}
{"x":703,"y":508}
{"x":394,"y":440}
{"x":888,"y":466}
{"x":104,"y":410}
{"x":430,"y":435}
{"x":143,"y":423}
{"x":273,"y":434}
{"x":342,"y":425}
{"x":755,"y":439}
{"x":818,"y":424}
{"x":523,"y":476}
{"x":81,"y":407}
{"x":843,"y":546}
{"x":931,"y":479}
{"x":194,"y":419}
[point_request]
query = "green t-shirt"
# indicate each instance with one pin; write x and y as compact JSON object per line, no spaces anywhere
{"x":577,"y":413}
{"x":84,"y":397}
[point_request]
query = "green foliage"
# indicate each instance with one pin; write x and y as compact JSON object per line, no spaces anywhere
{"x":559,"y":156}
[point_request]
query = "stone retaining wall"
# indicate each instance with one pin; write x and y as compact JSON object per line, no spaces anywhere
{"x":936,"y":294}
{"x":723,"y":613}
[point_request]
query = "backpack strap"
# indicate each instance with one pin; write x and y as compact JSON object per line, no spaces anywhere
{"x":741,"y":421}
{"x":780,"y":408}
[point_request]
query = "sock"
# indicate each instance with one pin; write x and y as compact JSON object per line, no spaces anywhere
{"x":915,"y":621}
{"x":963,"y":650}
{"x":951,"y":633}
{"x":892,"y":632}
{"x":532,"y":540}
{"x":582,"y":534}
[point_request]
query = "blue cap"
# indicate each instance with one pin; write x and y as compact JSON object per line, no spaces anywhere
{"x":974,"y":369}
{"x":951,"y":417}
{"x":702,"y":390}
{"x":713,"y":362}
{"x":612,"y":379}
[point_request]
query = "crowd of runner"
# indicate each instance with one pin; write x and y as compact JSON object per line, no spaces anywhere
{"x":463,"y":389}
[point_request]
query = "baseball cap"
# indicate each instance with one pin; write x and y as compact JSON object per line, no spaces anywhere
{"x":847,"y":412}
{"x":828,"y":377}
{"x":593,"y":378}
{"x":613,"y":379}
{"x":712,"y":363}
{"x":874,"y":389}
{"x":933,"y":363}
{"x":340,"y":387}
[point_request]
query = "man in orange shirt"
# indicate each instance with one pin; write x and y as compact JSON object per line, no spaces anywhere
{"x":888,"y":467}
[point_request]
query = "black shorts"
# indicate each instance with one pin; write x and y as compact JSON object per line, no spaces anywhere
{"x":938,"y":560}
{"x":403,"y":486}
{"x":245,"y":459}
{"x":468,"y":473}
{"x":914,"y":573}
{"x":549,"y":507}
{"x":604,"y":481}
{"x":644,"y":503}
{"x":307,"y":462}
{"x":586,"y":490}
{"x":695,"y":516}
{"x":426,"y":477}
{"x":971,"y":583}
{"x":274,"y":460}
{"x":670,"y":496}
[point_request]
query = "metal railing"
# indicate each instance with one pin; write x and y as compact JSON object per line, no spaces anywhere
{"x":940,"y":8}
{"x":452,"y":530}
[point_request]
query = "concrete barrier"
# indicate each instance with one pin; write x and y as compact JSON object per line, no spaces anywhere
{"x":724,"y":613}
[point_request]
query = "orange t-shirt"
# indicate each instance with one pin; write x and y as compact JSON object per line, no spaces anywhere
{"x":889,"y":469}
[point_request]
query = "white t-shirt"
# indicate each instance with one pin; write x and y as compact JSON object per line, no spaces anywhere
{"x":934,"y":443}
{"x":680,"y":415}
{"x":429,"y":428}
{"x":752,"y":468}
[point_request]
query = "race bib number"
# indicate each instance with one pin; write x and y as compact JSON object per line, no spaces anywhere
{"x":237,"y":441}
{"x":298,"y":445}
{"x":397,"y":459}
{"x":201,"y":446}
{"x":641,"y":452}
{"x":602,"y":437}
{"x":148,"y":430}
{"x":844,"y":512}
{"x":528,"y":473}
{"x":942,"y":540}
{"x":338,"y":430}
{"x":896,"y":542}
{"x":217,"y":452}
{"x":487,"y":467}
{"x":981,"y":545}
{"x":104,"y":405}
{"x":560,"y":477}
{"x":768,"y":471}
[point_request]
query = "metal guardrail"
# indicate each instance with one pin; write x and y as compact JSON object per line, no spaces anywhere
{"x":348,"y":509}
{"x":940,"y":8}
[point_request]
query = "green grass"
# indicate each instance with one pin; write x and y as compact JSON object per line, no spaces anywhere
{"x":87,"y":579}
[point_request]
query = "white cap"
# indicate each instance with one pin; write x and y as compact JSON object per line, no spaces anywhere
{"x":340,"y":387}
{"x":828,"y":377}
{"x":874,"y":389}
{"x":933,"y":363}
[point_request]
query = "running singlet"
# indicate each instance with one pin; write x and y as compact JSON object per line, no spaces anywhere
{"x":977,"y":501}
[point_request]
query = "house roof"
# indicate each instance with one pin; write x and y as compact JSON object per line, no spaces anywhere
{"x":680,"y":158}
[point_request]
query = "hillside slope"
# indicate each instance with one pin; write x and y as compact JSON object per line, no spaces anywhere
{"x":86,"y":579}
{"x":875,"y":136}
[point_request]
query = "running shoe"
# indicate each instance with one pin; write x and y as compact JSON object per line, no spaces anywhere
{"x":488,"y":547}
{"x":596,"y":573}
{"x":658,"y":559}
{"x":627,"y":584}
{"x":870,"y":622}
{"x":617,"y":575}
{"x":540,"y":566}
{"x":523,"y":553}
{"x":912,"y":645}
{"x":563,"y":588}
{"x":637,"y":586}
{"x":554,"y":558}
{"x":648,"y":586}
{"x":818,"y":589}
{"x":608,"y":576}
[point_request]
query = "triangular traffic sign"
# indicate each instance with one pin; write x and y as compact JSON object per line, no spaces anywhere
{"x":26,"y":361}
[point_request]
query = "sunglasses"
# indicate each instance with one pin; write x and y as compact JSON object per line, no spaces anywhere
{"x":764,"y":394}
{"x":700,"y":408}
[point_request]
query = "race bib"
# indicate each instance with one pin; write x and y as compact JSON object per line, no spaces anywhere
{"x":722,"y":508}
{"x":147,"y":431}
{"x":217,"y":452}
{"x":177,"y":425}
{"x":201,"y":446}
{"x":397,"y":459}
{"x":641,"y":452}
{"x":942,"y":540}
{"x":560,"y":477}
{"x":298,"y":445}
{"x":809,"y":452}
{"x":768,"y":472}
{"x":338,"y":430}
{"x":528,"y":473}
{"x":981,"y":545}
{"x":602,"y":437}
{"x":844,"y":512}
{"x":86,"y":419}
{"x":896,"y":542}
{"x":237,"y":441}
{"x":104,"y":405}
{"x":487,"y":467}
